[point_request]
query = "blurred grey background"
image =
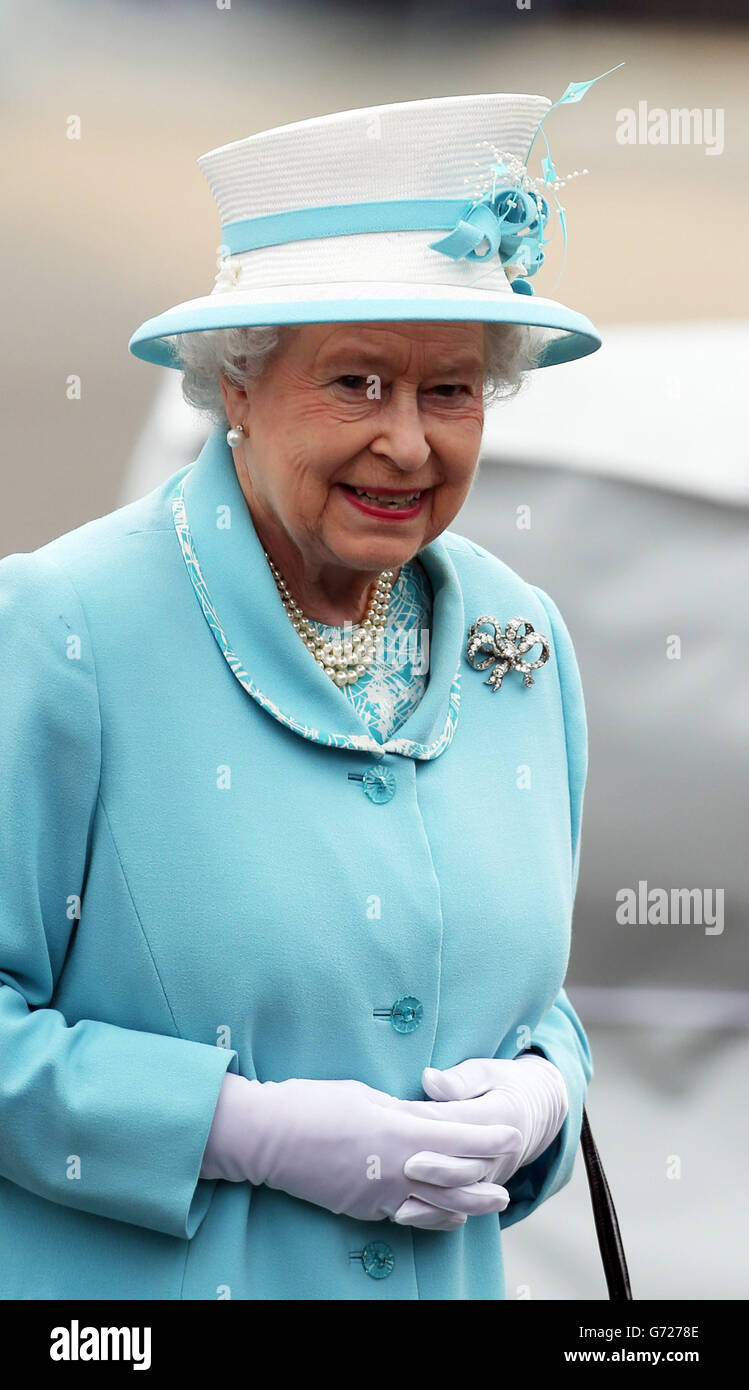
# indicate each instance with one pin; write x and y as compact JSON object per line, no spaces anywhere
{"x":633,"y":464}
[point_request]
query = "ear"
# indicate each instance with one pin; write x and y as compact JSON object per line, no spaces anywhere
{"x":235,"y":401}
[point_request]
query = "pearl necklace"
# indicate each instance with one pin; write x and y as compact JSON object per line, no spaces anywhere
{"x":344,"y":662}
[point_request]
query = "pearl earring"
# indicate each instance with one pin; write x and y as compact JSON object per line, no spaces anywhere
{"x":234,"y":436}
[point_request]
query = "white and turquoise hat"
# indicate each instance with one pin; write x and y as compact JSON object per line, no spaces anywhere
{"x":417,"y":210}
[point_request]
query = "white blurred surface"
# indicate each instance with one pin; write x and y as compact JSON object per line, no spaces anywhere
{"x":664,"y":404}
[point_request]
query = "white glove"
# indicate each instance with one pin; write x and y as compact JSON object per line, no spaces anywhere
{"x":344,"y":1145}
{"x":528,"y":1093}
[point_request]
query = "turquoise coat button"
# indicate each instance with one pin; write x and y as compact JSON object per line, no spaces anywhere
{"x":407,"y":1014}
{"x":378,"y":1259}
{"x":379,"y":784}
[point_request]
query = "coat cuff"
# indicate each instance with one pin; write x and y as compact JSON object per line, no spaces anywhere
{"x":202,"y":1188}
{"x":109,"y":1120}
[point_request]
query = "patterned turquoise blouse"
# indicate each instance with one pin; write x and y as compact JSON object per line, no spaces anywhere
{"x":394,"y":684}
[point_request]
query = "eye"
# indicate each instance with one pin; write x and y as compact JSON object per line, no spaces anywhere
{"x":450,"y":386}
{"x":352,"y":383}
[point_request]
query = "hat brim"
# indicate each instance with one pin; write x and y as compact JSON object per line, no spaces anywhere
{"x":568,"y":334}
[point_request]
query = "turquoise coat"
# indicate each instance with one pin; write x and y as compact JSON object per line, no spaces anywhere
{"x":208,"y":864}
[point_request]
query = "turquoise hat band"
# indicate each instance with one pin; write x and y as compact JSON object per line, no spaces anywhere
{"x":342,"y":219}
{"x":580,"y":336}
{"x":509,"y":223}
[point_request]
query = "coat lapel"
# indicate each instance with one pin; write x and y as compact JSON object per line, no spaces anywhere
{"x":241,"y":604}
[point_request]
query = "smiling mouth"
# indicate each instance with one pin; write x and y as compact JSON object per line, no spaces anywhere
{"x":387,"y":497}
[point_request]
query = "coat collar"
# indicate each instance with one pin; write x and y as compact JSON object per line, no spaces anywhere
{"x":241,"y":604}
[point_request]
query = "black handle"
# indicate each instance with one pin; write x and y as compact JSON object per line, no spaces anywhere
{"x":604,"y":1215}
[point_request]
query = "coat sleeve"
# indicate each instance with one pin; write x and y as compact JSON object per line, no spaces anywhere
{"x":102,"y":1118}
{"x":560,"y":1036}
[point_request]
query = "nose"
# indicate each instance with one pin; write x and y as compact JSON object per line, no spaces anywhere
{"x":400,"y":433}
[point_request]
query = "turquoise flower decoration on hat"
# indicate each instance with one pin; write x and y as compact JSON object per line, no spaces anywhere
{"x":510,"y":220}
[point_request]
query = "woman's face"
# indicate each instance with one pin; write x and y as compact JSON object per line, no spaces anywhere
{"x":379,"y":406}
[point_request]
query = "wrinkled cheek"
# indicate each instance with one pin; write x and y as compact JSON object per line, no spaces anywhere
{"x":447,"y":502}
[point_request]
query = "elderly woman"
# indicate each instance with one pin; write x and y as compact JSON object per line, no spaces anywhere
{"x":288,"y":877}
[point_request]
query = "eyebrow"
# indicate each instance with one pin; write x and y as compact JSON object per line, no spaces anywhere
{"x":358,"y":356}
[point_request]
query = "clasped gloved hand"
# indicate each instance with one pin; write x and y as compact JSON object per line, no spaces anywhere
{"x":528,"y":1093}
{"x":350,"y":1148}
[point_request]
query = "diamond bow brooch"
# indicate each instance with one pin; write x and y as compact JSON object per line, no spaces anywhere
{"x":504,"y":650}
